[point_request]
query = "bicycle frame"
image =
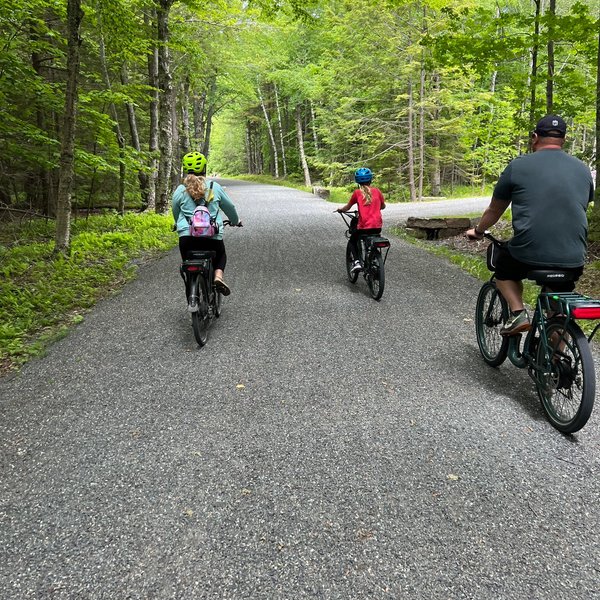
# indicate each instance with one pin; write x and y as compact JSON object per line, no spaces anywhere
{"x":200,"y":265}
{"x":369,"y":244}
{"x":366,"y":242}
{"x":555,"y":350}
{"x":567,"y":304}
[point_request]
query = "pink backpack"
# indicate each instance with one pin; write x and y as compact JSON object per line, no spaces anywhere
{"x":202,"y":224}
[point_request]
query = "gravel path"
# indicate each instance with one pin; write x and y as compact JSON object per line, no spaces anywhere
{"x":322,"y":445}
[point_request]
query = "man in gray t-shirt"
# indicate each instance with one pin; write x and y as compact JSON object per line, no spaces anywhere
{"x":549,"y":192}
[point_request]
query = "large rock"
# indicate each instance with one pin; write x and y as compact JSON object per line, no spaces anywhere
{"x":321,"y":192}
{"x":434,"y":229}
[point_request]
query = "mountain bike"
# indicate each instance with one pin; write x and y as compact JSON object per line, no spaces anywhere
{"x":555,"y":350}
{"x":371,"y":257}
{"x":198,"y":271}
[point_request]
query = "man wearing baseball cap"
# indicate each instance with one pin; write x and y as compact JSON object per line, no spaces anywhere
{"x":549,"y":191}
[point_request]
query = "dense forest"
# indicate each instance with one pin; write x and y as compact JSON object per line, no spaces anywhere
{"x":100,"y":98}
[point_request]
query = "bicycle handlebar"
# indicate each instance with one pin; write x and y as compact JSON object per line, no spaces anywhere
{"x":488,"y":235}
{"x":225,"y":223}
{"x":351,"y":214}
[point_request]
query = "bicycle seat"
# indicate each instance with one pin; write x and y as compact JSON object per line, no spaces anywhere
{"x":200,"y":254}
{"x":550,"y":276}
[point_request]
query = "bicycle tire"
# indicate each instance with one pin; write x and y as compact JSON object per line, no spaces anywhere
{"x":201,"y":318}
{"x":352,"y":277}
{"x":491,"y":312}
{"x":218,"y":306}
{"x":375,"y":275}
{"x":566,"y":381}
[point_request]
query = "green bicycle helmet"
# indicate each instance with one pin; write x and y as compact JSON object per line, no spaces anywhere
{"x":194,"y":162}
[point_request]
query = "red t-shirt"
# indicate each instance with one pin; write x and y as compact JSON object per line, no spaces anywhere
{"x":369,"y":216}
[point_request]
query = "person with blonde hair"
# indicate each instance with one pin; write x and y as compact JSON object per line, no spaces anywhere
{"x":193,"y":191}
{"x":370,"y":202}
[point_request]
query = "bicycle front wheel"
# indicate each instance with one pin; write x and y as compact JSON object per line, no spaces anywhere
{"x":375,"y":275}
{"x":490,"y":314}
{"x":352,"y":277}
{"x":201,"y":318}
{"x":566,"y":381}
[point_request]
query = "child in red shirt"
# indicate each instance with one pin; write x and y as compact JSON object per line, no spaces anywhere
{"x":370,"y":202}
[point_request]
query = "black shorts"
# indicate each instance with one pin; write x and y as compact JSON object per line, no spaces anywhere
{"x":509,"y":268}
{"x":187,"y":243}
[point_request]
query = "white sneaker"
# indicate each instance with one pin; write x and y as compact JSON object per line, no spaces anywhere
{"x":356,"y":267}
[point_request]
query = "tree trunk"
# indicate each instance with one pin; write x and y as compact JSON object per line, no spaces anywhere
{"x":421,"y":127}
{"x":248,"y":146}
{"x":165,"y":108}
{"x":65,"y":183}
{"x":550,"y":79}
{"x":135,"y":138}
{"x":595,"y":216}
{"x":37,"y":183}
{"x":115,"y":117}
{"x":185,"y":117}
{"x":313,"y":123}
{"x":175,"y":163}
{"x":436,"y":176}
{"x":534,"y":57}
{"x":199,"y":103}
{"x":411,"y":144}
{"x":153,"y":134}
{"x":303,"y":162}
{"x":279,"y":120}
{"x":270,"y":131}
{"x":212,"y":98}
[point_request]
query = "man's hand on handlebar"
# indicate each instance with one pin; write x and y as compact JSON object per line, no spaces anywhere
{"x":472,"y":234}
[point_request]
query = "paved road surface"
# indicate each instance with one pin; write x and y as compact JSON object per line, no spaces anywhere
{"x":322,"y":445}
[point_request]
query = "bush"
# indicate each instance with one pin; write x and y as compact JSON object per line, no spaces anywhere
{"x":41,"y":292}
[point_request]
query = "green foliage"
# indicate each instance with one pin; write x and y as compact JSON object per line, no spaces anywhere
{"x":466,"y":63}
{"x":41,"y":292}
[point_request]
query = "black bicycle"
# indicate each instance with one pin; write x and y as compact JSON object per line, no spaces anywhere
{"x":371,"y":258}
{"x":555,"y":350}
{"x":203,"y":296}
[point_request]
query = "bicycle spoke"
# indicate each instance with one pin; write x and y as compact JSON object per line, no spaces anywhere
{"x":490,"y":314}
{"x":566,"y":384}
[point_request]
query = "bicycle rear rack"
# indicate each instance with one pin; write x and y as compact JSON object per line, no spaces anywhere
{"x":573,"y":306}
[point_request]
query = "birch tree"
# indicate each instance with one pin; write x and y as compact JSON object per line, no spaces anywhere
{"x":65,"y":183}
{"x":165,"y":107}
{"x":305,"y":170}
{"x":270,"y":131}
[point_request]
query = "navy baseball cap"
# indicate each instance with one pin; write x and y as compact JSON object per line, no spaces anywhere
{"x":551,"y":126}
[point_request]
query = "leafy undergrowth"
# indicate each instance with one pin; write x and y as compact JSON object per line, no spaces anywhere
{"x":42,"y":294}
{"x":471,"y":256}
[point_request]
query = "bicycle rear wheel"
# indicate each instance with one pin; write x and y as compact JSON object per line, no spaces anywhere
{"x":490,"y":313}
{"x":566,"y":381}
{"x":375,"y":275}
{"x":352,"y":277}
{"x":218,"y":304}
{"x":201,"y":318}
